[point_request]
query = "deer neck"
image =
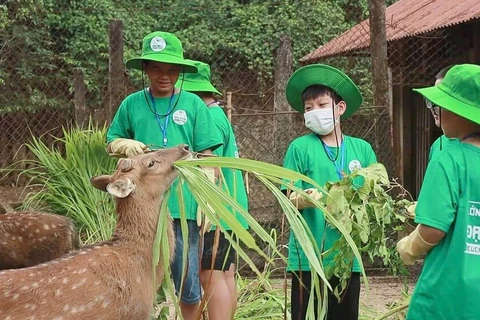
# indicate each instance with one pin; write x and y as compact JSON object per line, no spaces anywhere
{"x":137,"y":221}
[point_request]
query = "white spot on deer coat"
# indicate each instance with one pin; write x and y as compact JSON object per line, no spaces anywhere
{"x":46,"y":227}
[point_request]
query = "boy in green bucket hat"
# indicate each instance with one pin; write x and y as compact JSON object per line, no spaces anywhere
{"x":324,"y":95}
{"x":218,"y":269}
{"x":448,"y":208}
{"x":163,"y":116}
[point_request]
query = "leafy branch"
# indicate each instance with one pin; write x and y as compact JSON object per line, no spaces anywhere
{"x":362,"y":202}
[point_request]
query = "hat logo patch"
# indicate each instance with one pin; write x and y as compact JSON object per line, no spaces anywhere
{"x":180,"y":117}
{"x":354,"y":164}
{"x":158,"y":44}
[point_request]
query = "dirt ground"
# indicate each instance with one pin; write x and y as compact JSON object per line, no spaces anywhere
{"x":14,"y":194}
{"x":383,"y":292}
{"x":11,"y":197}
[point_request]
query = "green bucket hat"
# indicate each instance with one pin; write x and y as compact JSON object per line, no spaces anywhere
{"x":163,"y":47}
{"x":199,"y":81}
{"x":321,"y":74}
{"x":459,"y":92}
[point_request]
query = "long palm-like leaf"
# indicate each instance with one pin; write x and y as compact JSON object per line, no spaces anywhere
{"x":207,"y":194}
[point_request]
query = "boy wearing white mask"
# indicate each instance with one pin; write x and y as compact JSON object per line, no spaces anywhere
{"x":325,"y":95}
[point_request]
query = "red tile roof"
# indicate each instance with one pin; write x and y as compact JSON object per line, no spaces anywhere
{"x":404,"y":18}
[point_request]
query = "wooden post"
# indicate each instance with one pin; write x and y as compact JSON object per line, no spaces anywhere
{"x":229,"y":106}
{"x":379,"y":53}
{"x":116,"y":85}
{"x":81,"y":113}
{"x":282,"y":123}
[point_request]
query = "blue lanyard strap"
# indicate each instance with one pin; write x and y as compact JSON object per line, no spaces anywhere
{"x":163,"y":127}
{"x":332,"y":156}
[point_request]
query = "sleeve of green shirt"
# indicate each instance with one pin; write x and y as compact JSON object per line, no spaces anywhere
{"x":120,"y":126}
{"x":205,"y":133}
{"x":371,"y":157}
{"x":293,"y":161}
{"x":430,"y":153}
{"x":439,"y":195}
{"x":222,"y":129}
{"x":433,"y":148}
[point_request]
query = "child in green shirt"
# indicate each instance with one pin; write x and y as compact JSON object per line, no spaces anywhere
{"x":164,"y":116}
{"x":218,"y":273}
{"x":325,"y":95}
{"x":448,"y":208}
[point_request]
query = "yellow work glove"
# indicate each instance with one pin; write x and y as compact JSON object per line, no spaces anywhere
{"x":413,"y":247}
{"x":210,"y":173}
{"x":127,"y":147}
{"x":301,"y":202}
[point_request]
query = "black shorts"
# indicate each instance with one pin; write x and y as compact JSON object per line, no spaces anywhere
{"x":346,"y":309}
{"x":224,"y":255}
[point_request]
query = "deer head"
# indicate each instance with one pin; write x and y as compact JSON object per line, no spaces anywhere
{"x":144,"y":176}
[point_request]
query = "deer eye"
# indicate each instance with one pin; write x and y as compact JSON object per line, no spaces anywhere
{"x":151,"y":164}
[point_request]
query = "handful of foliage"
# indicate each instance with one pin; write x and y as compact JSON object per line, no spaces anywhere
{"x":362,"y":204}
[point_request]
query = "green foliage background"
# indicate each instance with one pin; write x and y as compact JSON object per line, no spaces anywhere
{"x":42,"y":40}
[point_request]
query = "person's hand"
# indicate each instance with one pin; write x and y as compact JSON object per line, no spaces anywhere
{"x":302,"y":202}
{"x":127,"y":147}
{"x":413,"y":247}
{"x":207,"y":224}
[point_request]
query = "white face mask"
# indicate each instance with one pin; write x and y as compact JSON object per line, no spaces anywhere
{"x":321,"y":121}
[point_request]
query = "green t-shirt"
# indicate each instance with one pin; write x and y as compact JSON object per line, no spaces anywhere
{"x":449,"y":200}
{"x":233,"y":178}
{"x":306,"y":155}
{"x":189,"y":123}
{"x":435,"y":148}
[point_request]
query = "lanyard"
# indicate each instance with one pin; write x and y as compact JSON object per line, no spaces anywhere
{"x":342,"y":158}
{"x":163,"y":127}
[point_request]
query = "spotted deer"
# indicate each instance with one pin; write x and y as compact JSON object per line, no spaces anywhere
{"x":28,"y":238}
{"x":111,"y":280}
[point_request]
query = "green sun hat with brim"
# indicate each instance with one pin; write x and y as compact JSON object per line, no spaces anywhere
{"x":330,"y":77}
{"x":162,"y":47}
{"x":197,"y":82}
{"x":459,"y":92}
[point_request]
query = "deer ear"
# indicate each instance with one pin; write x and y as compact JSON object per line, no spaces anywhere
{"x":101,"y":182}
{"x":121,"y":188}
